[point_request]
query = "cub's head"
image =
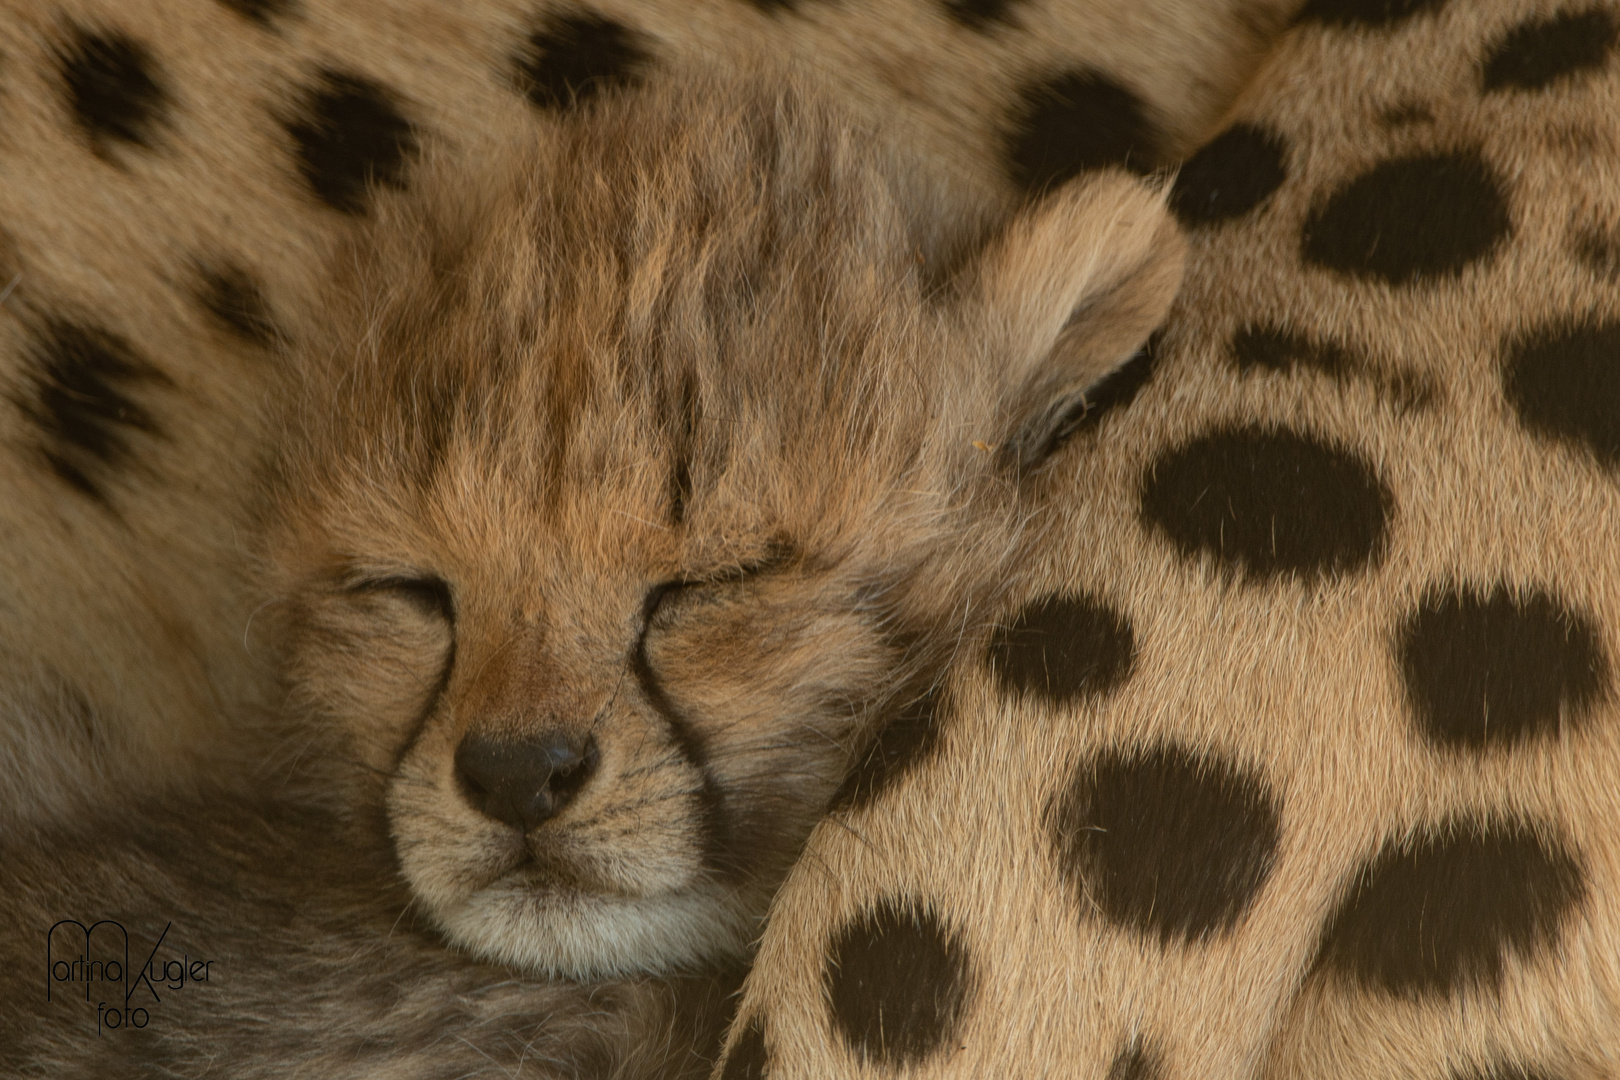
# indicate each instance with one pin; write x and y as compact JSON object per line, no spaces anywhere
{"x":635,"y":477}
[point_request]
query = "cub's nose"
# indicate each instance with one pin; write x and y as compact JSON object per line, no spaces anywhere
{"x":526,"y":780}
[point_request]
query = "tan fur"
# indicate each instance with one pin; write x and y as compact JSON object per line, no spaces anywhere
{"x":1291,"y":678}
{"x":135,"y":657}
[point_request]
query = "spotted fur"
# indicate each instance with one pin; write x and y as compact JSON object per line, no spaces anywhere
{"x":1295,"y":755}
{"x":172,"y":182}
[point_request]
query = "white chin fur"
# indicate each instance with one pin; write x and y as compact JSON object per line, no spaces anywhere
{"x":583,"y":937}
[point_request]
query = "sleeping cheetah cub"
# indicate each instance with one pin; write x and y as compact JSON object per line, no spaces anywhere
{"x":633,"y":482}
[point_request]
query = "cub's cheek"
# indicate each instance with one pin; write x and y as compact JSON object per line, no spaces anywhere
{"x":423,"y":782}
{"x":444,"y":861}
{"x":371,"y":684}
{"x":778,"y":709}
{"x":748,"y":672}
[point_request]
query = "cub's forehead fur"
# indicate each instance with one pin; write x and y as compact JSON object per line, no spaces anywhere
{"x":702,"y":284}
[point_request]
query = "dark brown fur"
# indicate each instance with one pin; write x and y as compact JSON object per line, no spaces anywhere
{"x":318,"y":965}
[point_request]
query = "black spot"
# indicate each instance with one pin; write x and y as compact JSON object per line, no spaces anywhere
{"x":1111,"y":393}
{"x":1172,"y":845}
{"x":1275,"y":349}
{"x":1439,"y":912}
{"x":65,"y":706}
{"x":1063,"y":648}
{"x":1268,"y":503}
{"x":571,"y":58}
{"x":1410,"y":218}
{"x":1135,"y":1062}
{"x":233,"y":297}
{"x":1564,"y":382}
{"x":350,"y":133}
{"x":1075,"y":121}
{"x":902,"y":743}
{"x":1366,"y":12}
{"x":1259,"y":347}
{"x":1233,"y":174}
{"x":898,"y":983}
{"x":1406,"y":114}
{"x":260,"y":11}
{"x":81,"y":403}
{"x":747,"y":1060}
{"x":1539,"y":52}
{"x":1599,"y":249}
{"x":112,"y":87}
{"x":1494,"y":670}
{"x":980,"y":15}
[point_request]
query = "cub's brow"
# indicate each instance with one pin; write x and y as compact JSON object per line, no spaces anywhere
{"x":428,"y":587}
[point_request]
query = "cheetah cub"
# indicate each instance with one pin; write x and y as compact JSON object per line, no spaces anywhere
{"x":635,"y":480}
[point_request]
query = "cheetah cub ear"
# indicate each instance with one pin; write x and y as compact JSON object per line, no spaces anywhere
{"x":1072,"y":288}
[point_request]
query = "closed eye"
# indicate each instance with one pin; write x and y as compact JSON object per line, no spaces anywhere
{"x":428,"y":593}
{"x":777,"y":556}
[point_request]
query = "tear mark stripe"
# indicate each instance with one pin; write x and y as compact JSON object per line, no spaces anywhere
{"x":719,"y":849}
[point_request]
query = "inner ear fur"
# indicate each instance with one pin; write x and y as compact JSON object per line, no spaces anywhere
{"x":1074,"y":285}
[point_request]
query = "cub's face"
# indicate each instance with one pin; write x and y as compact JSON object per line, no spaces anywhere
{"x":607,"y":719}
{"x":635,"y":481}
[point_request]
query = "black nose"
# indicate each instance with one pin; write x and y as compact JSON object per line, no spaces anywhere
{"x":525,"y":780}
